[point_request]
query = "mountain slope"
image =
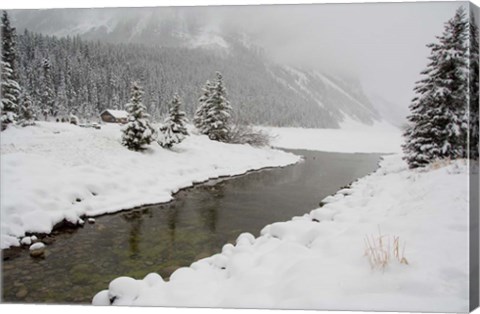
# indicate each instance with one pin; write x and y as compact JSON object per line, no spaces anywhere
{"x":170,"y":52}
{"x":393,"y":113}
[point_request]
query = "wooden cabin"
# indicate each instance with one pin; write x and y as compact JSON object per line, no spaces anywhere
{"x":114,"y":116}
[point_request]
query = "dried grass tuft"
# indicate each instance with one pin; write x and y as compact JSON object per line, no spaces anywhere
{"x":440,"y":163}
{"x":381,"y":250}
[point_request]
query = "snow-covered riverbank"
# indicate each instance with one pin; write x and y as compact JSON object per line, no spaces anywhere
{"x":318,"y":261}
{"x":57,"y":171}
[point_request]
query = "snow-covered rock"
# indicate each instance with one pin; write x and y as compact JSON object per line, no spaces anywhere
{"x":54,"y":172}
{"x":317,"y":261}
{"x":26,"y":241}
{"x":37,"y":249}
{"x":37,"y":246}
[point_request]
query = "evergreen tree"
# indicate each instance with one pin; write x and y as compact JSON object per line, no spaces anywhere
{"x":473,"y":88}
{"x":173,"y":130}
{"x":49,"y":107}
{"x":217,"y":119}
{"x":9,"y":86}
{"x":9,"y":52}
{"x":137,"y":132}
{"x":106,"y":70}
{"x":10,"y":91}
{"x":62,"y":100}
{"x":70,"y":92}
{"x":27,"y":113}
{"x":201,"y":112}
{"x":438,"y":125}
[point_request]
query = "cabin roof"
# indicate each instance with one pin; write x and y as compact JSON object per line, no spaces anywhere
{"x":118,"y":114}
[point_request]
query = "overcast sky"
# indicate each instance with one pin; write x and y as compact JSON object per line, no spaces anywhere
{"x":383,"y":44}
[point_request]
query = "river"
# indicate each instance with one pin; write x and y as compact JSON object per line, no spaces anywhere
{"x":160,"y":238}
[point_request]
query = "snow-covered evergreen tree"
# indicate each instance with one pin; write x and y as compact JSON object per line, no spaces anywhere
{"x":9,"y":43}
{"x":173,"y":130}
{"x":201,"y":112}
{"x":62,"y":99}
{"x":217,"y":119}
{"x":438,"y":125}
{"x":49,"y":107}
{"x":27,"y":114}
{"x":10,"y":88}
{"x":10,"y":91}
{"x":137,"y":132}
{"x":473,"y":88}
{"x":110,"y":68}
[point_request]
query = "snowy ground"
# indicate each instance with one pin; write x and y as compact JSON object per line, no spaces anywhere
{"x":56,"y":171}
{"x":351,"y":138}
{"x":318,"y":261}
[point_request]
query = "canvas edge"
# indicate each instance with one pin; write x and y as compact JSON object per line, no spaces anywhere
{"x":474,"y":208}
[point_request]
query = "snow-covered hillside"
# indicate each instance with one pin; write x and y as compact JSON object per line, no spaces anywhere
{"x":320,"y":260}
{"x":179,"y":52}
{"x":389,"y":111}
{"x":57,"y":171}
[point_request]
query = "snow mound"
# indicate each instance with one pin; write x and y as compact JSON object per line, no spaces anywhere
{"x":55,"y":171}
{"x":317,"y":261}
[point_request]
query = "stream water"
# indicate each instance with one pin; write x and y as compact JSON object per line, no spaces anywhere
{"x":161,"y":238}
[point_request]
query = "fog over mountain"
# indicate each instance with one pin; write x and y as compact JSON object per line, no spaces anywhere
{"x":331,"y":56}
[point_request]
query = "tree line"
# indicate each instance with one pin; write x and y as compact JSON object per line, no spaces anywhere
{"x":213,"y":118}
{"x":63,"y":76}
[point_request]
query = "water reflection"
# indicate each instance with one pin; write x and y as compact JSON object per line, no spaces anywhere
{"x":208,"y":213}
{"x":135,"y":219}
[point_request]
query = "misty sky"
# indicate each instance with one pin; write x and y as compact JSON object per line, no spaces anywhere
{"x":383,"y":44}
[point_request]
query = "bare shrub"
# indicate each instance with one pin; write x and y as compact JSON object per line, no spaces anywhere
{"x":242,"y":133}
{"x":440,"y":163}
{"x":382,"y":249}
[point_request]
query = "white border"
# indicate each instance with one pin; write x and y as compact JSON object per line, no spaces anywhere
{"x":71,"y":309}
{"x":32,"y":4}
